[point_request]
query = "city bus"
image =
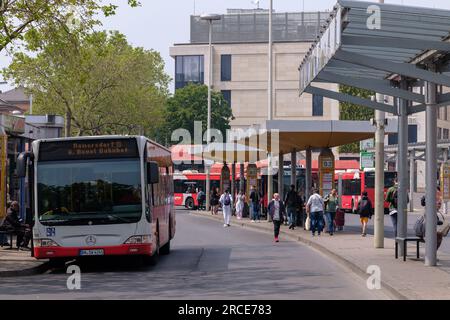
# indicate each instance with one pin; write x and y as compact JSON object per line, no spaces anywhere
{"x":355,"y":183}
{"x":100,"y":196}
{"x":187,"y":185}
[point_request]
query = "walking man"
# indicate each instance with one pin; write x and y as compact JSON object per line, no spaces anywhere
{"x":291,"y":202}
{"x":254,"y":201}
{"x":392,"y":199}
{"x":227,"y":203}
{"x":332,"y":203}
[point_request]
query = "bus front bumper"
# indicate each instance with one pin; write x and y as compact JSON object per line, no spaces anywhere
{"x":73,"y":252}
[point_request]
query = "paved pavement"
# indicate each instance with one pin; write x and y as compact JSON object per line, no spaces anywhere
{"x":207,"y":262}
{"x":406,"y":280}
{"x":19,"y":263}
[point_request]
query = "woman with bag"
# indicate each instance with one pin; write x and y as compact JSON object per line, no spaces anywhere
{"x":365,"y":212}
{"x":277,"y":212}
{"x":240,"y":203}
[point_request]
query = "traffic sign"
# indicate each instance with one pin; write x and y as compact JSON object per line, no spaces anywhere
{"x":367,"y":160}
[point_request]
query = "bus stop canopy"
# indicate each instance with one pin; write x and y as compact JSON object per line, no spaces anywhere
{"x":368,"y":45}
{"x":298,"y":135}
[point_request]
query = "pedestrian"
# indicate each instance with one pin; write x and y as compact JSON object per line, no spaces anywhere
{"x":13,"y":223}
{"x":315,"y":208}
{"x":255,"y":199}
{"x":300,"y":209}
{"x":214,"y":201}
{"x":392,"y":199}
{"x":332,"y":203}
{"x":277,"y":211}
{"x":365,"y":212}
{"x":240,"y":204}
{"x":291,"y":203}
{"x":226,"y":202}
{"x":201,"y":199}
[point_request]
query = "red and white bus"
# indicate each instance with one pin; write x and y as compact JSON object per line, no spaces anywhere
{"x":187,"y":185}
{"x":355,"y":183}
{"x":99,"y":196}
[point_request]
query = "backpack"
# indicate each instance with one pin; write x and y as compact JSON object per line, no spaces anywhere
{"x":395,"y":198}
{"x":419,"y":227}
{"x":365,"y":207}
{"x":227,"y":200}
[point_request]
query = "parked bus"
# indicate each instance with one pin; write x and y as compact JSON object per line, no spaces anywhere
{"x":187,"y":184}
{"x":100,"y":196}
{"x":355,"y":183}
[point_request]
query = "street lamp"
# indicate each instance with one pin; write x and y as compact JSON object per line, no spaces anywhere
{"x":210,"y":18}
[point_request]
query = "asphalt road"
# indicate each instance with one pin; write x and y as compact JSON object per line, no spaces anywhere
{"x":207,"y":262}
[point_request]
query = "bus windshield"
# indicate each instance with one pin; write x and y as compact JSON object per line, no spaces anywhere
{"x":351,"y":187}
{"x":89,"y":192}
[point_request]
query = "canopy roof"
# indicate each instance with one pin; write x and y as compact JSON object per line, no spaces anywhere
{"x":370,"y":45}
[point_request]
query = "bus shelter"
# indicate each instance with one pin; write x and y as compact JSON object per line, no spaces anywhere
{"x":398,"y":51}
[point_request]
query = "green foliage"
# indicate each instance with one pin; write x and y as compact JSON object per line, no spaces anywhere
{"x":21,"y":18}
{"x":101,"y":83}
{"x":190,"y":104}
{"x":350,"y":111}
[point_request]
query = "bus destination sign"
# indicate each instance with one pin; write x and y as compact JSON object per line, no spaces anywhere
{"x":88,"y":149}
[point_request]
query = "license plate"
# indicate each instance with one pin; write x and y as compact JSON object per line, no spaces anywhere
{"x":93,"y":252}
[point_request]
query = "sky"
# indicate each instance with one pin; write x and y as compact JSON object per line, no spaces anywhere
{"x":158,"y":24}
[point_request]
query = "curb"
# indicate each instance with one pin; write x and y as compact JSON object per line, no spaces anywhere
{"x":26,"y":272}
{"x":341,"y":260}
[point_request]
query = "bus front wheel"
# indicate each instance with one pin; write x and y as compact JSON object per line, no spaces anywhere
{"x":190,"y":204}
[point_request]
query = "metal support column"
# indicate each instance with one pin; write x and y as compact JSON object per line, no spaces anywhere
{"x":431,"y":170}
{"x":379,"y":176}
{"x":412,"y":179}
{"x":280,"y":175}
{"x":308,"y":177}
{"x":208,"y":187}
{"x":294,"y":168}
{"x":233,"y":180}
{"x":241,"y":177}
{"x":269,"y":182}
{"x":402,"y":210}
{"x":444,"y":203}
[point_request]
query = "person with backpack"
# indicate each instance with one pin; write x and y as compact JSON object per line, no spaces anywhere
{"x":314,"y":208}
{"x":290,"y":203}
{"x":255,"y":200}
{"x":332,"y":203}
{"x":365,"y":212}
{"x":277,"y":211}
{"x":201,"y":197}
{"x":226,"y":202}
{"x":392,"y":199}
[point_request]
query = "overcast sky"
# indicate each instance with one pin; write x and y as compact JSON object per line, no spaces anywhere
{"x":158,"y":24}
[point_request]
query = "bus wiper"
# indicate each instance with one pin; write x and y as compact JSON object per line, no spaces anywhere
{"x":116,"y":217}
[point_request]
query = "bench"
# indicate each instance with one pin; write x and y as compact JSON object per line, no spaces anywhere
{"x":11,"y":233}
{"x":405,"y":245}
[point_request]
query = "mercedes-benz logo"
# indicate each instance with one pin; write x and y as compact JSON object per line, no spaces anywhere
{"x":90,"y":240}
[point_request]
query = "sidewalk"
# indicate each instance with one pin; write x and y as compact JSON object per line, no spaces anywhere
{"x":14,"y":263}
{"x":403,"y":280}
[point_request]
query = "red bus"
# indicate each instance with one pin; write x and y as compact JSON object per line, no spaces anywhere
{"x":355,"y":183}
{"x":187,"y":184}
{"x":99,"y":196}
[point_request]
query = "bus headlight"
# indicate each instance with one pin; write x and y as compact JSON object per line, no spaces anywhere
{"x":45,"y":243}
{"x":138,"y":239}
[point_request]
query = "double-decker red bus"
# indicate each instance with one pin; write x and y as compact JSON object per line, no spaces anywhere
{"x":355,"y":183}
{"x":187,"y":185}
{"x":98,"y":196}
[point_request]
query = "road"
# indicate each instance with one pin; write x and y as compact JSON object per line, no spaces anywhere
{"x":207,"y":262}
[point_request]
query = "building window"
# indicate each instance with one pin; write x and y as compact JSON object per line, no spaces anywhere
{"x":412,"y":135}
{"x":227,"y":96}
{"x":317,"y":106}
{"x":225,"y":67}
{"x":445,"y":134}
{"x":188,"y":69}
{"x":439,"y":133}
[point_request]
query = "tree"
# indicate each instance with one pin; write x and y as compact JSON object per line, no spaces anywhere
{"x":190,"y":104}
{"x":20,"y":17}
{"x":98,"y":81}
{"x":349,"y":111}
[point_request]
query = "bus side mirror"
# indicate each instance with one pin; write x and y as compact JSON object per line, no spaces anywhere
{"x":22,"y":162}
{"x":152,"y":172}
